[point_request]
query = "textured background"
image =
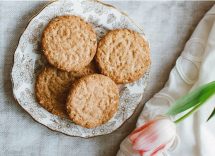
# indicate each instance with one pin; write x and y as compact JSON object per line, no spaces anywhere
{"x":167,"y":25}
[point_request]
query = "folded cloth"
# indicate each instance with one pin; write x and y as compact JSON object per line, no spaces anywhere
{"x":195,"y":67}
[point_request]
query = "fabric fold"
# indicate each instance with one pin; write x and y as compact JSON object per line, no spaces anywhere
{"x":193,"y":68}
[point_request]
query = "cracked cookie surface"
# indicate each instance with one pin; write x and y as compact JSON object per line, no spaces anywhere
{"x":93,"y":100}
{"x":52,"y":87}
{"x":69,"y":43}
{"x":123,"y":55}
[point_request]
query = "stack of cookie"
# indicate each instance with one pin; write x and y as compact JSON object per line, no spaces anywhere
{"x":73,"y":86}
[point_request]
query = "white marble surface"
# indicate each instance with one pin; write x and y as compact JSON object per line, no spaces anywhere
{"x":167,"y":25}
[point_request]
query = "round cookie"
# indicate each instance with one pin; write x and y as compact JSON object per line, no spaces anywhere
{"x":52,"y":87}
{"x":93,"y":100}
{"x":69,"y":43}
{"x":123,"y":55}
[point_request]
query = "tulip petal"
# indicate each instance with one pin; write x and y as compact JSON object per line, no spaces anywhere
{"x":146,"y":140}
{"x":141,"y":152}
{"x":158,"y":149}
{"x":139,"y":130}
{"x":154,"y":136}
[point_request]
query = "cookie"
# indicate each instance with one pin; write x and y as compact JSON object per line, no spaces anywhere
{"x":123,"y":55}
{"x":93,"y":100}
{"x":69,"y":43}
{"x":52,"y":87}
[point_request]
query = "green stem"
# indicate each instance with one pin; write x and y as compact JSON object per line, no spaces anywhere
{"x":188,"y":114}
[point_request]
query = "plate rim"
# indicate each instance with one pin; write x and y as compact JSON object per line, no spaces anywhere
{"x":53,"y":129}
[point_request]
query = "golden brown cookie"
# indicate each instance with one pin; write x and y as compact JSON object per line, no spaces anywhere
{"x":123,"y":55}
{"x":93,"y":100}
{"x":69,"y":43}
{"x":52,"y":87}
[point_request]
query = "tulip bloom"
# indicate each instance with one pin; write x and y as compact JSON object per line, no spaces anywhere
{"x":154,"y":137}
{"x":159,"y":134}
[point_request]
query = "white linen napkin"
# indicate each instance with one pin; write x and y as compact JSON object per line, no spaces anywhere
{"x":195,"y":67}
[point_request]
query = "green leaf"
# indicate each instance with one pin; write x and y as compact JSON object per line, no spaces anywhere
{"x":194,"y":98}
{"x":212,"y":115}
{"x":197,"y":106}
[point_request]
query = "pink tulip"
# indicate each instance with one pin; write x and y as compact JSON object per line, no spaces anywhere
{"x":154,"y":137}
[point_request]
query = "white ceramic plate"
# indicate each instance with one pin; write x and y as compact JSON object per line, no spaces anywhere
{"x":28,"y":60}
